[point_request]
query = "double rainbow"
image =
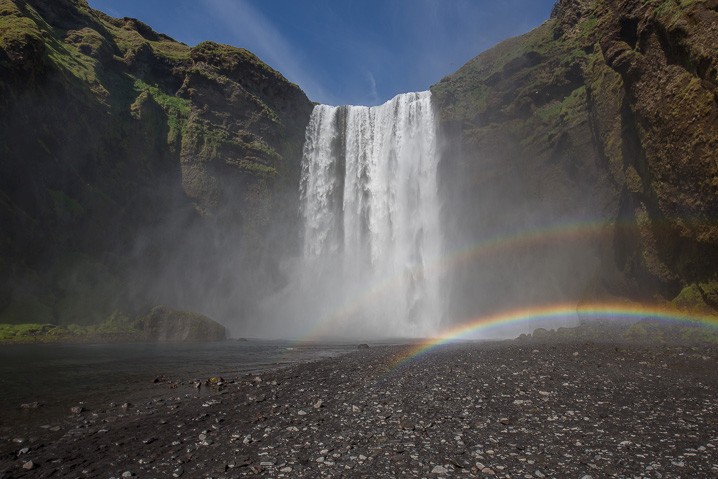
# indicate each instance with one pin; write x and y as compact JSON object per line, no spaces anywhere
{"x":560,"y":233}
{"x":482,"y":326}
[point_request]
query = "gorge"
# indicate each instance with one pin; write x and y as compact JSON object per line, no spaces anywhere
{"x":573,"y":164}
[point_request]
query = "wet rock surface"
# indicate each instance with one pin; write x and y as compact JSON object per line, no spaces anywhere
{"x":472,"y":410}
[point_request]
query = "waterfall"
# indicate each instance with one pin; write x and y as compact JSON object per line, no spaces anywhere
{"x":370,"y":209}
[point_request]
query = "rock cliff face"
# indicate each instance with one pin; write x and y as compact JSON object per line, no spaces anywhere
{"x":137,"y":170}
{"x":603,"y":124}
{"x":579,"y":163}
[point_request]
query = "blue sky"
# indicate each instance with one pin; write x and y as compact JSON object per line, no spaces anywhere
{"x":360,"y":52}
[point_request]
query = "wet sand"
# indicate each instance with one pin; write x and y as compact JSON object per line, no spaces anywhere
{"x":509,"y":409}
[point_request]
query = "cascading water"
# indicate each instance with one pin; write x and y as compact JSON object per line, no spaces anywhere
{"x":370,"y":208}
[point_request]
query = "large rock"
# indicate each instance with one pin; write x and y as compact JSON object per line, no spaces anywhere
{"x":166,"y":324}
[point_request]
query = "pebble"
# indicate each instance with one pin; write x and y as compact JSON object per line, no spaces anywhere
{"x":450,"y":413}
{"x":28,"y":465}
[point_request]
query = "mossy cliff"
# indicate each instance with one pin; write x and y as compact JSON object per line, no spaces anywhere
{"x":578,"y":163}
{"x":135,"y":169}
{"x":603,"y":122}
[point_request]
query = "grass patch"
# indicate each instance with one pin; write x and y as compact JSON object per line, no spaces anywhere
{"x":165,"y":100}
{"x":177,"y":109}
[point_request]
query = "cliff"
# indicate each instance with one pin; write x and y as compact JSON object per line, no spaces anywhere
{"x":578,"y":164}
{"x":588,"y":147}
{"x":137,"y":170}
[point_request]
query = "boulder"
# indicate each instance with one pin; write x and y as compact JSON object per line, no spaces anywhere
{"x":166,"y":324}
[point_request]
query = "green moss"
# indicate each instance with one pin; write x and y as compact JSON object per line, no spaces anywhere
{"x":117,"y":323}
{"x":698,"y":297}
{"x":588,"y":26}
{"x":128,"y":35}
{"x":116,"y":326}
{"x":10,"y":332}
{"x":168,"y":102}
{"x":257,"y":169}
{"x":177,"y":109}
{"x":16,"y":29}
{"x":673,"y":9}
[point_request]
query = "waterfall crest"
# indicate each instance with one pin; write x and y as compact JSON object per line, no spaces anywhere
{"x":370,"y":212}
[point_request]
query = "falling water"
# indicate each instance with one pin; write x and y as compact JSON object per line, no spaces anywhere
{"x":371,"y":219}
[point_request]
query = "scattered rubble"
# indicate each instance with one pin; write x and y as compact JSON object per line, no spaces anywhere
{"x":474,"y":410}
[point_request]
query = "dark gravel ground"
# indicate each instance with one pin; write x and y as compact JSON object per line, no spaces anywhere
{"x":511,"y":409}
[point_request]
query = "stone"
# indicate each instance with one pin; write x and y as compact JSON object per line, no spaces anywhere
{"x":28,"y":465}
{"x":439,"y":470}
{"x":163,"y":323}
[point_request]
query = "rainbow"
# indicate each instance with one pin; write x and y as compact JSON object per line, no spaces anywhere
{"x":525,"y":239}
{"x":491,"y":246}
{"x":481,"y":326}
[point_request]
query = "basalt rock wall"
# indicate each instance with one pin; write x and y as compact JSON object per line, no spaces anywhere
{"x":136,"y":170}
{"x":580,"y":163}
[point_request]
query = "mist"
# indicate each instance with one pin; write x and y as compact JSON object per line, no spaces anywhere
{"x":394,"y":231}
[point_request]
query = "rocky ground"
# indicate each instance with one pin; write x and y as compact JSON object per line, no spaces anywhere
{"x":520,"y":410}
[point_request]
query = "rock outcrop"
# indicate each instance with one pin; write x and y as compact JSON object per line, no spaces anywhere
{"x":168,"y":325}
{"x":137,"y":170}
{"x":581,"y":159}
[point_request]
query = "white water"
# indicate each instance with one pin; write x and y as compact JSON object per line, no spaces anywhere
{"x":370,"y":209}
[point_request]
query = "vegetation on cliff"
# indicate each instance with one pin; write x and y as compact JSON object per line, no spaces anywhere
{"x":160,"y":324}
{"x":129,"y":159}
{"x":602,"y":125}
{"x":138,"y":170}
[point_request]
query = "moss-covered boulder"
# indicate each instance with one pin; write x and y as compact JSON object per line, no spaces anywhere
{"x":166,"y":324}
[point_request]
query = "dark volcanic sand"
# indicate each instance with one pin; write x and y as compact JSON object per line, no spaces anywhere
{"x":511,"y":409}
